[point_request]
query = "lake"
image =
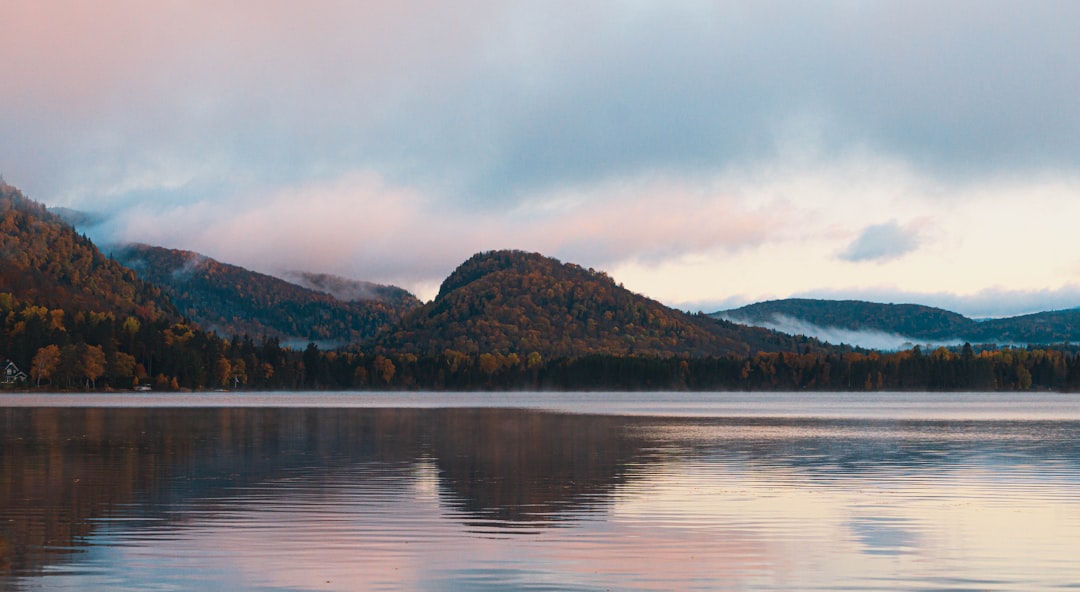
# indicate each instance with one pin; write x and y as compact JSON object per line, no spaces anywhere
{"x":540,"y":491}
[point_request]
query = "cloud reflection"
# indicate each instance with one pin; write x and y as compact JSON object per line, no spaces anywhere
{"x":468,"y":498}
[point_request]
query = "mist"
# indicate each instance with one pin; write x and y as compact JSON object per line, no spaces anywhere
{"x":869,"y":339}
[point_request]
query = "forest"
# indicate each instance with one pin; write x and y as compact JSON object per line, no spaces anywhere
{"x":95,"y":351}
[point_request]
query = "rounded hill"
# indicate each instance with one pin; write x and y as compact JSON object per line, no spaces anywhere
{"x":518,"y":302}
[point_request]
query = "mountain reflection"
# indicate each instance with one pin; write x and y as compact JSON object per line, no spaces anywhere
{"x":66,"y":473}
{"x":524,"y":467}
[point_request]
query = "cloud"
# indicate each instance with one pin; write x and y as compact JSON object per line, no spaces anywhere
{"x":491,"y":102}
{"x":367,"y":138}
{"x":882,"y":242}
{"x":364,"y":227}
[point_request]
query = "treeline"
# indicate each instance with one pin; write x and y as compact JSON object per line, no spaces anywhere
{"x":962,"y":369}
{"x":103,"y":350}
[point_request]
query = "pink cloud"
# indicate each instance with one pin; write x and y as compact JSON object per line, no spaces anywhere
{"x":82,"y":54}
{"x":364,"y":227}
{"x":656,"y":220}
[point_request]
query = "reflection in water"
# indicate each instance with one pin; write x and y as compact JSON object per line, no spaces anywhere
{"x":519,"y":468}
{"x":500,"y":498}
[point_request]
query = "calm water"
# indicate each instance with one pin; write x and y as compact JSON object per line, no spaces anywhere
{"x":540,"y":492}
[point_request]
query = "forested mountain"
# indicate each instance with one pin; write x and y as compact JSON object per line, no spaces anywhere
{"x":1059,"y":326}
{"x":232,"y":300}
{"x":68,"y":314}
{"x":72,"y":318}
{"x":45,"y":261}
{"x":512,"y":302}
{"x":912,"y":321}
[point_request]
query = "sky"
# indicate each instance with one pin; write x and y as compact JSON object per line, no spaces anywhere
{"x":705,"y":154}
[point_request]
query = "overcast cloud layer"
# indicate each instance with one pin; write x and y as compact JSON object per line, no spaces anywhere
{"x":706,"y":153}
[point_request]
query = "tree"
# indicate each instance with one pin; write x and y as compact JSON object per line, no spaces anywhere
{"x":91,"y":364}
{"x":385,"y":367}
{"x":222,"y":371}
{"x":312,"y":366}
{"x":1023,"y":378}
{"x":44,"y":363}
{"x":239,"y":372}
{"x":121,"y":365}
{"x":489,"y":364}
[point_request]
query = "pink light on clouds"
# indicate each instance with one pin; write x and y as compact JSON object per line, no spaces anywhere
{"x":362,"y":226}
{"x":83,"y":53}
{"x":658,"y":219}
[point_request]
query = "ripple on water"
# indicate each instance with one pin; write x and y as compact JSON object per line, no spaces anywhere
{"x":438,"y":498}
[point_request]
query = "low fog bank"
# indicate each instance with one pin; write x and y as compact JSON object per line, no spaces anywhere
{"x":869,"y":339}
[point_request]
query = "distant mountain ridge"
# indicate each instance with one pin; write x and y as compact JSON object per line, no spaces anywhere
{"x":911,"y":321}
{"x":231,"y":300}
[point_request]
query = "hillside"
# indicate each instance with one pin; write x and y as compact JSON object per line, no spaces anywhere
{"x":43,"y":260}
{"x":507,"y":302}
{"x":73,"y":319}
{"x":70,"y":317}
{"x":1059,"y":326}
{"x":910,"y":321}
{"x":231,"y":300}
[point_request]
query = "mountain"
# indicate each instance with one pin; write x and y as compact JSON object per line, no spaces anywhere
{"x":505,"y":302}
{"x":231,"y":300}
{"x":44,"y":261}
{"x":72,"y":318}
{"x":831,"y":320}
{"x":1058,"y":326}
{"x":909,"y":320}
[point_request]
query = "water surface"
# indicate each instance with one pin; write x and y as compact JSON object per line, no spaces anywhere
{"x":574,"y":491}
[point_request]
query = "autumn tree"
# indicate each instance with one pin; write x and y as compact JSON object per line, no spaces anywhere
{"x":222,"y":371}
{"x":238,"y":373}
{"x":91,"y":364}
{"x":385,"y":367}
{"x":489,"y":364}
{"x":44,"y":363}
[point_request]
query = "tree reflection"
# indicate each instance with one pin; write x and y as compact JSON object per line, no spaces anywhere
{"x":64,"y":471}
